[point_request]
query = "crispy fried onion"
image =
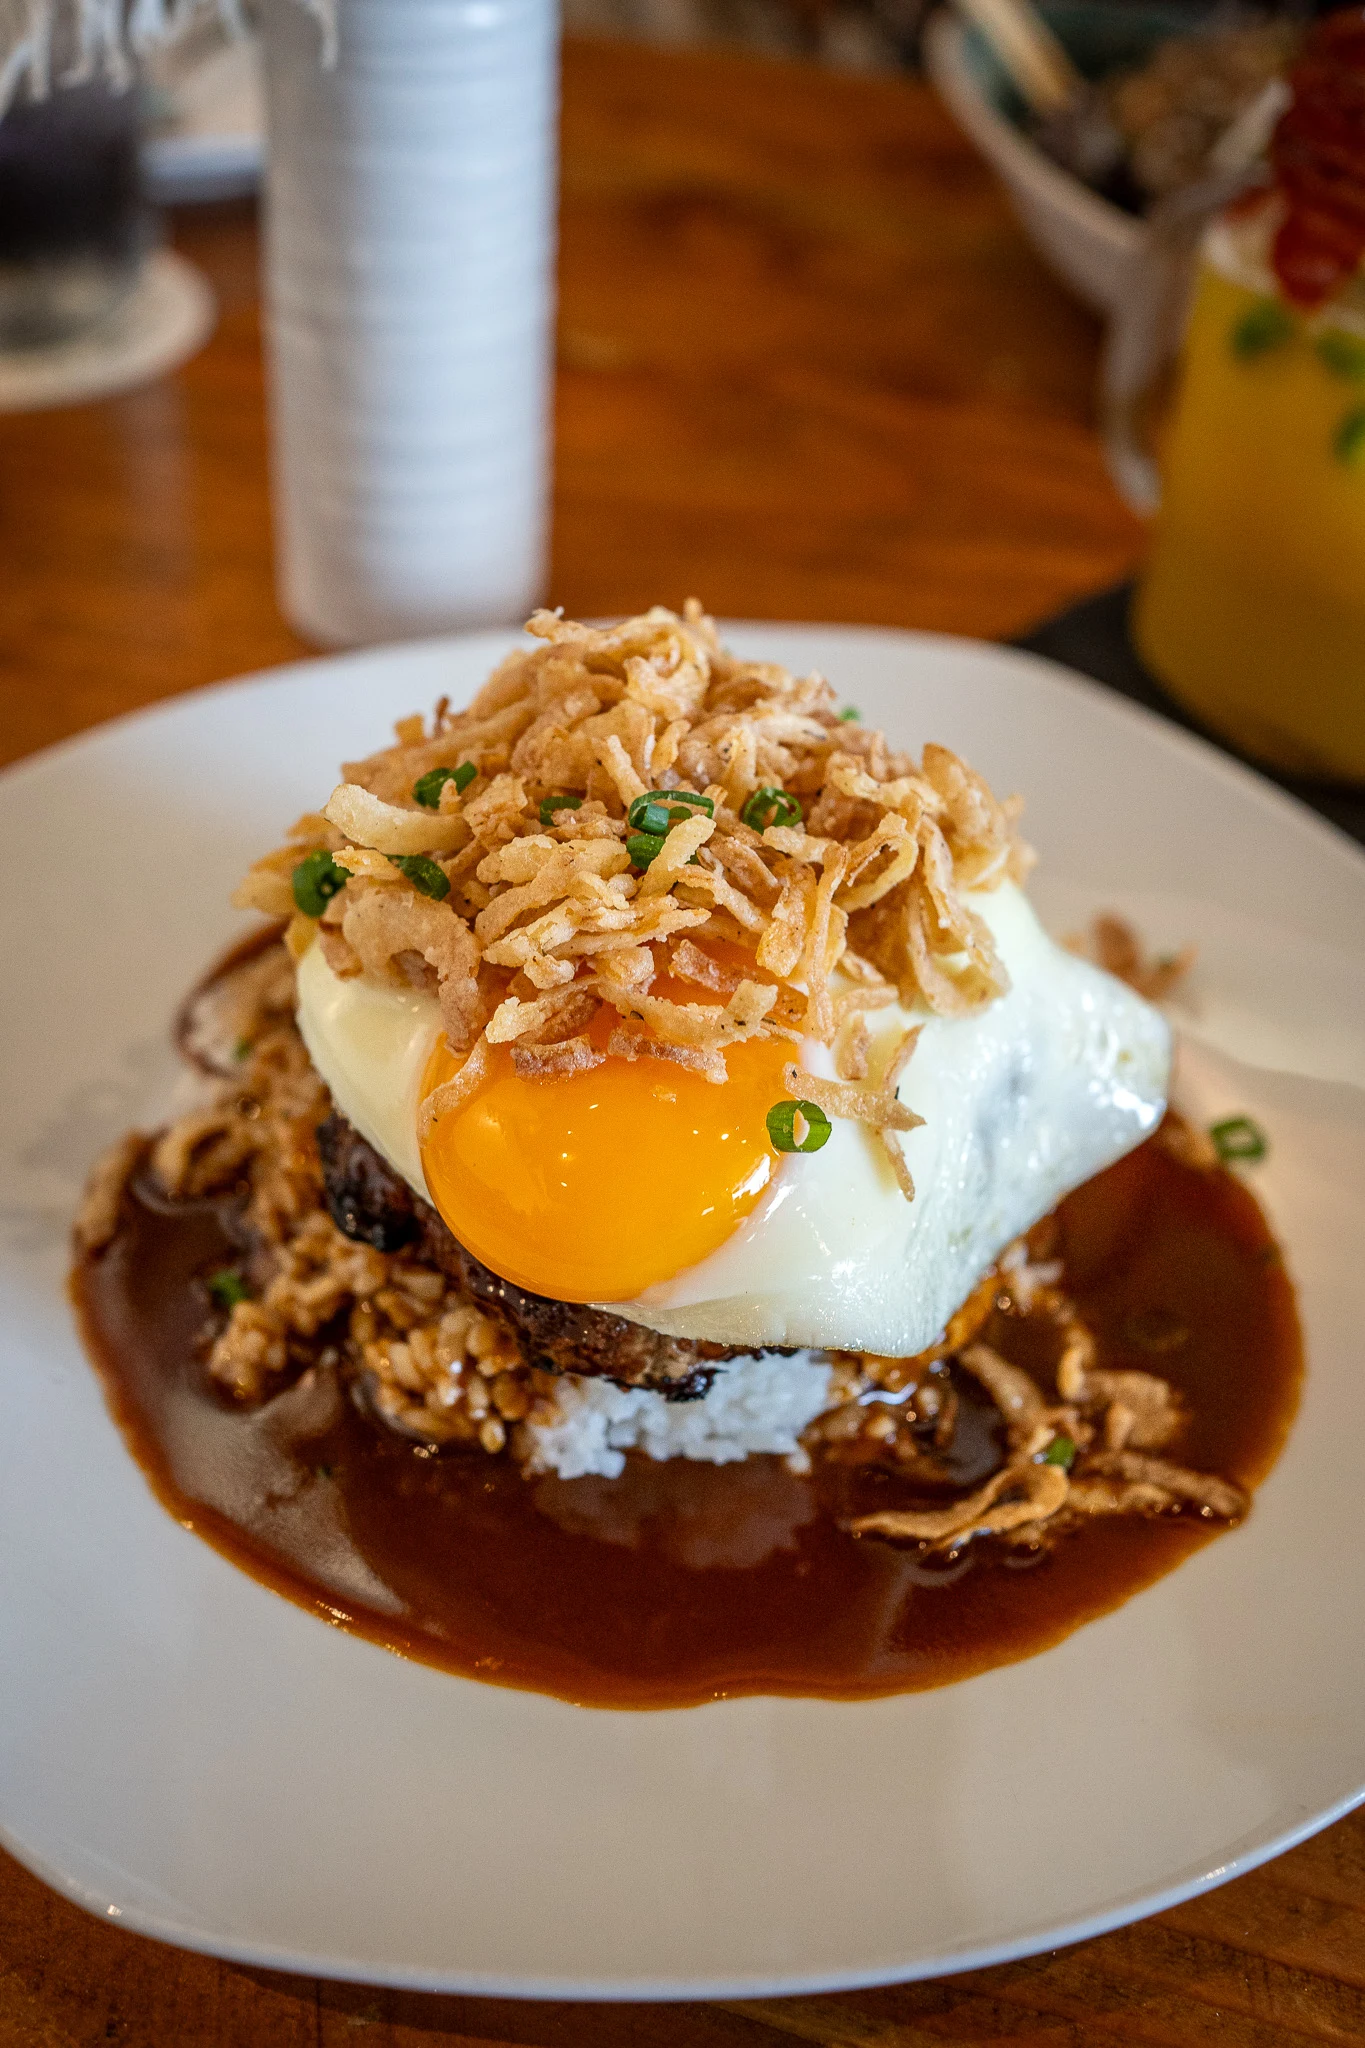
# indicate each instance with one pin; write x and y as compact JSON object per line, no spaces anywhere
{"x":815,"y":859}
{"x":550,"y":1062}
{"x":369,"y":821}
{"x":268,"y":885}
{"x":546,"y":1020}
{"x":1102,"y":1419}
{"x":454,"y":1093}
{"x":382,"y":926}
{"x":879,"y":1106}
{"x":703,"y":1025}
{"x":955,"y":962}
{"x":636,"y":1045}
{"x":1120,"y":1482}
{"x":1114,"y":945}
{"x":1019,"y":1492}
{"x":1015,"y":1393}
{"x":1137,"y":1410}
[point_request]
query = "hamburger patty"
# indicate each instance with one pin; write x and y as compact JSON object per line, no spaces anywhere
{"x":375,"y":1206}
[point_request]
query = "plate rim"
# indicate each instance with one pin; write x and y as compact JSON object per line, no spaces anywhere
{"x":670,"y":1990}
{"x":1238,"y":773}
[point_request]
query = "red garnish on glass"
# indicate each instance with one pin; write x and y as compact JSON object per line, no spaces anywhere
{"x":1318,"y":155}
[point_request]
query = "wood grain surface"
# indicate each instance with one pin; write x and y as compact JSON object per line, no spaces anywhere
{"x":809,"y":368}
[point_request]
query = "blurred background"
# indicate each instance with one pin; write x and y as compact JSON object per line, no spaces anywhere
{"x":863,"y":309}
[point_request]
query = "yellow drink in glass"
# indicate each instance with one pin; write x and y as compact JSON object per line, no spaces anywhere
{"x":1252,"y":606}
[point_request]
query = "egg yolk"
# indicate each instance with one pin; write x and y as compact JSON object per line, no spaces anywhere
{"x":594,"y":1186}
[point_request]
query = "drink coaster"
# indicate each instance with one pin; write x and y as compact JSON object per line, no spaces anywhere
{"x":167,"y":316}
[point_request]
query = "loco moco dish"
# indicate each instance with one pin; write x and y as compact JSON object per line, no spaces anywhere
{"x":669,"y":1222}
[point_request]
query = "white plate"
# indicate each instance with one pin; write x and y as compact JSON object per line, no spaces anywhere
{"x":187,"y":1753}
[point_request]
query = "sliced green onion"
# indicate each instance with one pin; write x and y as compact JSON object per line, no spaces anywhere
{"x":427,"y":788}
{"x":550,"y":804}
{"x":849,"y":713}
{"x":423,"y":873}
{"x":1237,"y":1137}
{"x":770,"y":806}
{"x":1343,"y":354}
{"x":228,"y":1288}
{"x":643,"y":847}
{"x":657,"y":809}
{"x":316,"y":881}
{"x":650,"y":817}
{"x":1348,"y":442}
{"x":635,"y":814}
{"x":782,"y":1126}
{"x":1265,"y":327}
{"x":241,"y":1049}
{"x":1061,"y":1451}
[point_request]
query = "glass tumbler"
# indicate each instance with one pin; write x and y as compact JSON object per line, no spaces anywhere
{"x":1252,"y":606}
{"x":73,"y":225}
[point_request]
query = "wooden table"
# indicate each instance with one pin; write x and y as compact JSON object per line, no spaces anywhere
{"x":809,"y":369}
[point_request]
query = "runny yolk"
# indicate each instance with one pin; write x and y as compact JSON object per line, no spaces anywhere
{"x":594,"y":1186}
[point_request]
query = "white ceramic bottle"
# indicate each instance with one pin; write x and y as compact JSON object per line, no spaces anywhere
{"x":408,"y":267}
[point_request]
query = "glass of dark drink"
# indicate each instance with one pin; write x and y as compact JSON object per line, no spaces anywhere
{"x":73,"y":223}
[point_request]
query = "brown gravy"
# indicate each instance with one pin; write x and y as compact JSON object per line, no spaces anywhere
{"x":680,"y":1583}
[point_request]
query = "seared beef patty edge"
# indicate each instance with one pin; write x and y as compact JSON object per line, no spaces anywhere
{"x":372,"y":1204}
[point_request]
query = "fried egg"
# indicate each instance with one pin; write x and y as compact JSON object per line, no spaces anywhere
{"x":643,"y":1187}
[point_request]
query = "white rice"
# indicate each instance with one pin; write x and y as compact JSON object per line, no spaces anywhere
{"x":754,"y":1404}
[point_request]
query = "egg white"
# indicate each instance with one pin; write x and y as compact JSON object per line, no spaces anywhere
{"x":1022,"y":1100}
